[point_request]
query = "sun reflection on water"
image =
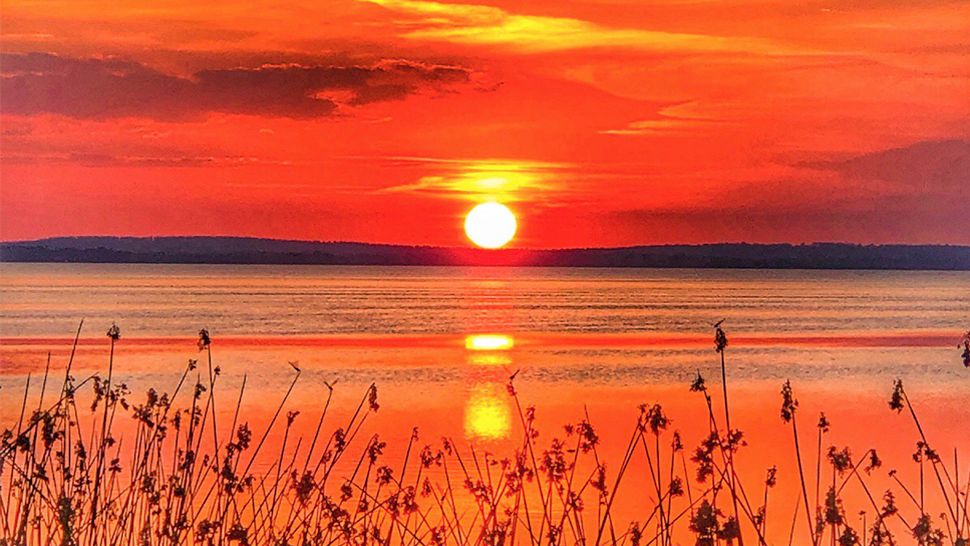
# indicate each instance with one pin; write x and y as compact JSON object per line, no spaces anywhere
{"x":489,"y":342}
{"x":487,"y":413}
{"x":489,"y":359}
{"x":487,"y":410}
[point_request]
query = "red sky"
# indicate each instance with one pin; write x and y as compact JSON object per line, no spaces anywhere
{"x":600,"y":122}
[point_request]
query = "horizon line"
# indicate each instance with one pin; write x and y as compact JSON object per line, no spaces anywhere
{"x":471,"y":247}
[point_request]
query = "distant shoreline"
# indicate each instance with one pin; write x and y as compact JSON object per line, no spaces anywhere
{"x":256,"y":251}
{"x":496,"y":266}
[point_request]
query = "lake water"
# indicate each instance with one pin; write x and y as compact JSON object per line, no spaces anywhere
{"x":441,"y":343}
{"x":850,"y":329}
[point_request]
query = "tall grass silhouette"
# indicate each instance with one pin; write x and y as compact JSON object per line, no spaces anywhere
{"x":179,"y":475}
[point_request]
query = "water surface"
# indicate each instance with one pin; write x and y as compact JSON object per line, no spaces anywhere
{"x":441,"y":343}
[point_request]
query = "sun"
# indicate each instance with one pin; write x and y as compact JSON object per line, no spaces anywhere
{"x":490,"y":225}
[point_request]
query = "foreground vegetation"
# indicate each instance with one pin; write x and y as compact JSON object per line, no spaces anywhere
{"x":182,"y":477}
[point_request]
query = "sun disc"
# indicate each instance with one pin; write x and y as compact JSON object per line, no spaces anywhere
{"x":490,"y":225}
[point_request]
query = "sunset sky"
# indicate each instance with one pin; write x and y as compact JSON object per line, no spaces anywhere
{"x":599,"y":122}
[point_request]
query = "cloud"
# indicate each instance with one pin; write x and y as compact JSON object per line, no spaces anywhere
{"x":677,"y":119}
{"x":488,"y":25}
{"x":87,"y":159}
{"x":872,"y":218}
{"x":906,"y":194}
{"x":37,"y":83}
{"x":937,"y":166}
{"x":501,"y":179}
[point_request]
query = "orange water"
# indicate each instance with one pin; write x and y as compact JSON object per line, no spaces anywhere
{"x":441,"y":343}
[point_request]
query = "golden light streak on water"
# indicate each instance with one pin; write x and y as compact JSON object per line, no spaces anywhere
{"x":489,"y":342}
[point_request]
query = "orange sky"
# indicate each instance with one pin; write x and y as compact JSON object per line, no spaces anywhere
{"x":600,"y":122}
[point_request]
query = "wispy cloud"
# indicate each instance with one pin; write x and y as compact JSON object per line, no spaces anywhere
{"x":499,"y":179}
{"x":488,"y":25}
{"x":112,"y":160}
{"x":665,"y":126}
{"x":683,"y":118}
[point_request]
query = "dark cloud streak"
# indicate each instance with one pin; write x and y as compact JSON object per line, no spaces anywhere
{"x":37,"y":83}
{"x":906,"y":194}
{"x":934,"y":165}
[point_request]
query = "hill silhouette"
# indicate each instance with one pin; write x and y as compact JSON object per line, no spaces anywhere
{"x":246,"y":250}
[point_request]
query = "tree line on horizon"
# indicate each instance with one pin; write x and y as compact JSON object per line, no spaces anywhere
{"x":239,"y":250}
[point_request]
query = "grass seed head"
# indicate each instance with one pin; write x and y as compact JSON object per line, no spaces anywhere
{"x":204,"y":340}
{"x":698,"y":385}
{"x":848,"y":537}
{"x":788,"y":402}
{"x":965,"y":354}
{"x":720,"y":338}
{"x":772,"y":477}
{"x":823,"y":422}
{"x":873,"y":462}
{"x":896,"y":400}
{"x":372,"y":398}
{"x":840,"y":459}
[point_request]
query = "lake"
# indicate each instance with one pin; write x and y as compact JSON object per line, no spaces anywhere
{"x":441,"y":344}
